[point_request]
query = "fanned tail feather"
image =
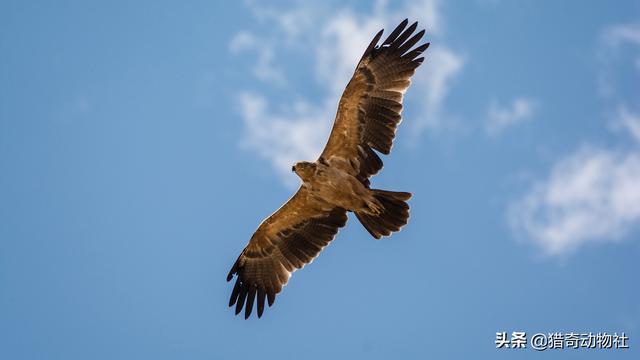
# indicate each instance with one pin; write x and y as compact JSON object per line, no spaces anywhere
{"x":395,"y":213}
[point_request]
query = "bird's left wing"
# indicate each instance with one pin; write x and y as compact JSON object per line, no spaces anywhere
{"x":370,"y":107}
{"x":285,"y":241}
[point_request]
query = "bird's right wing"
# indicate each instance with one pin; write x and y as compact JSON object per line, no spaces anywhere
{"x":286,"y":241}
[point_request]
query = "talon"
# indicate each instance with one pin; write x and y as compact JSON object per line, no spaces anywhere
{"x":375,"y":209}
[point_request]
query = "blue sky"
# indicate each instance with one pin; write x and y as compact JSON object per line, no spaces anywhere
{"x":141,"y":145}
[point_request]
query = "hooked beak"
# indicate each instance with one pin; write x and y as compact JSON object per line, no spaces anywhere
{"x":293,"y":168}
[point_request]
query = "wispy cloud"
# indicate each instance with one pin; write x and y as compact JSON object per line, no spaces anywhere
{"x":265,"y":67}
{"x":433,"y":87}
{"x":283,"y":137}
{"x":342,"y":40}
{"x":621,"y":33}
{"x":613,"y":42}
{"x":591,"y":195}
{"x":628,"y":121}
{"x":499,"y":117}
{"x":331,"y":41}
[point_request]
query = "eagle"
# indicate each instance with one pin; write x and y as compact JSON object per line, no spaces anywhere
{"x":338,"y":181}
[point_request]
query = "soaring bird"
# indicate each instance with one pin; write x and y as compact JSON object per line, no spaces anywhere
{"x":338,"y":182}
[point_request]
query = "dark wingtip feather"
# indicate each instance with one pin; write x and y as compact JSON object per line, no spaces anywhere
{"x":249,"y":305}
{"x":234,"y":269}
{"x":372,"y":44}
{"x":234,"y":293}
{"x":241,"y":298}
{"x":414,"y":39}
{"x":403,"y":37}
{"x":261,"y":296}
{"x":271,"y":297}
{"x":415,"y":52}
{"x":394,"y":34}
{"x":410,"y":29}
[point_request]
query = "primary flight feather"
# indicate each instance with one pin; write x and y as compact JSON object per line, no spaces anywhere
{"x":366,"y":121}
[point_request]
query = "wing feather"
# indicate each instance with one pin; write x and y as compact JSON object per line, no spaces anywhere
{"x":285,"y":242}
{"x":371,"y":105}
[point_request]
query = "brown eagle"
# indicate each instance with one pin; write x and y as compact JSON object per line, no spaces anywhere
{"x":338,"y":182}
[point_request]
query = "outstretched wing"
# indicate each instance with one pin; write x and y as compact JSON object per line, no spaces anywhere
{"x":286,"y":241}
{"x":370,"y":107}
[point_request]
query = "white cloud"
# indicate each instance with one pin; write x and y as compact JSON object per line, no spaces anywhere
{"x":628,"y":121}
{"x":622,"y":33}
{"x":283,"y":138}
{"x":592,"y":195}
{"x":242,"y":41}
{"x":343,"y":39}
{"x":613,"y":42}
{"x":499,"y":118}
{"x":432,"y":86}
{"x":293,"y":21}
{"x":265,"y":68}
{"x":427,"y":12}
{"x":333,"y":41}
{"x":342,"y":44}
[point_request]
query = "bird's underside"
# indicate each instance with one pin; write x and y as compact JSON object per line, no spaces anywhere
{"x":338,"y":182}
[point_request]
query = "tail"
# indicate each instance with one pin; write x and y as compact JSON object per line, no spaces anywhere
{"x":394,"y":215}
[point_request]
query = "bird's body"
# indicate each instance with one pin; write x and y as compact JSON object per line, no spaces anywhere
{"x":338,"y":182}
{"x":334,"y":186}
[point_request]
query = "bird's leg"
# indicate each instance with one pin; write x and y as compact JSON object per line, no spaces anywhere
{"x":374,"y":207}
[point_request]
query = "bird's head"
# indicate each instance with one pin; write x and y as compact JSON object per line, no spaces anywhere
{"x":304,"y":169}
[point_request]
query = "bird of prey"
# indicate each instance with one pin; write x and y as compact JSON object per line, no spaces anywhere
{"x":338,"y":182}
